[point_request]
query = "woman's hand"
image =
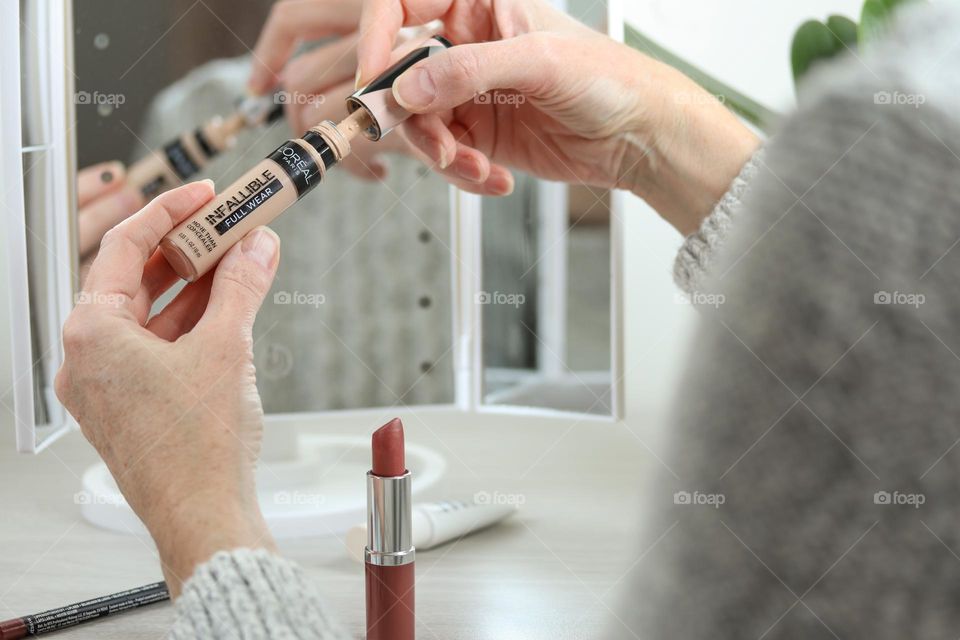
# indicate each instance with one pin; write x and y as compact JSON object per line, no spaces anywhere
{"x":104,"y":199}
{"x":170,"y":401}
{"x":579,"y":107}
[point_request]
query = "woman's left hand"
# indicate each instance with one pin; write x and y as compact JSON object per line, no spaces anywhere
{"x":170,"y":401}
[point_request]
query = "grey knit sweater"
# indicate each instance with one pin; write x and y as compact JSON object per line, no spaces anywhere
{"x":810,"y":489}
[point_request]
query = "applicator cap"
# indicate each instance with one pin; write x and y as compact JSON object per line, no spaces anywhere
{"x":377,"y":97}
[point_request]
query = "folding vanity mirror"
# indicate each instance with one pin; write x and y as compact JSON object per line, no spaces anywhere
{"x":400,"y":292}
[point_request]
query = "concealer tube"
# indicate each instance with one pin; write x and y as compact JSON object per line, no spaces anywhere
{"x":258,"y":196}
{"x":286,"y":175}
{"x":186,"y":156}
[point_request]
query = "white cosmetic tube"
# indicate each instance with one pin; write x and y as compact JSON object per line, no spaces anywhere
{"x":437,"y":522}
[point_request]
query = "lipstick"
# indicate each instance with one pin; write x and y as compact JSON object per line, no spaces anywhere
{"x":389,"y":556}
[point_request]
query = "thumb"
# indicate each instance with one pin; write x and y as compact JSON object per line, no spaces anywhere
{"x":241,"y":282}
{"x":460,"y":74}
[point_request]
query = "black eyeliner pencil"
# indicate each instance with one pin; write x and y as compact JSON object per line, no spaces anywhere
{"x":74,"y":614}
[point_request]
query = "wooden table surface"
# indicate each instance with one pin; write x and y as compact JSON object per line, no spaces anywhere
{"x":554,"y":571}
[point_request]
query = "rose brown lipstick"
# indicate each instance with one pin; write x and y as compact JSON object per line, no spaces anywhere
{"x":389,"y":556}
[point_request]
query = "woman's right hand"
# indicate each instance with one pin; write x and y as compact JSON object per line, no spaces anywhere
{"x":581,"y":107}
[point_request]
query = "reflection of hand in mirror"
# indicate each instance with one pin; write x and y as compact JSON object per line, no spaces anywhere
{"x":319,"y":80}
{"x":161,"y":397}
{"x":104,"y":199}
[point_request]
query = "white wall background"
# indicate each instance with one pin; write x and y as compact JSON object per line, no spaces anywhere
{"x":745,"y":43}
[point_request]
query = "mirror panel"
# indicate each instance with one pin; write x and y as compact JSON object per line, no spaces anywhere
{"x":360,"y":313}
{"x":547,"y":289}
{"x":546,"y":298}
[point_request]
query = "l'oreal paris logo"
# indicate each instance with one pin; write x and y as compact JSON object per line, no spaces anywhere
{"x":237,"y":199}
{"x":296,"y":161}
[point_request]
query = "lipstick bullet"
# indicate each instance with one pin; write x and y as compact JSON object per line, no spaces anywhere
{"x":389,"y":556}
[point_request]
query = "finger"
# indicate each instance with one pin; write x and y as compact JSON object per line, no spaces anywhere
{"x":98,"y":179}
{"x":327,"y":66}
{"x":184,"y":311}
{"x":465,"y":164}
{"x":430,"y":135}
{"x":468,"y":70}
{"x":104,"y":213}
{"x":158,"y":277}
{"x":290,"y":22}
{"x":126,"y":248}
{"x":240,"y":283}
{"x":499,"y":180}
{"x":380,"y":21}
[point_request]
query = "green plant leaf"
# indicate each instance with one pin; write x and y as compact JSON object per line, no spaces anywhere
{"x":843,"y":29}
{"x":813,"y":42}
{"x":875,"y":19}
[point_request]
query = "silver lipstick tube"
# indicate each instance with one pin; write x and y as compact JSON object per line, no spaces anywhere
{"x":389,"y":521}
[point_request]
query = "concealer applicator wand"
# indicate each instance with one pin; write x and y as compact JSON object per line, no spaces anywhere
{"x":286,"y":175}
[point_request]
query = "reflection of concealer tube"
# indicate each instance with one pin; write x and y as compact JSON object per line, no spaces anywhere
{"x":289,"y":173}
{"x":186,"y":156}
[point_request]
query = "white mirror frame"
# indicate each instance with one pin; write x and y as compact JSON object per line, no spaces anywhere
{"x":54,"y":78}
{"x":58,"y":88}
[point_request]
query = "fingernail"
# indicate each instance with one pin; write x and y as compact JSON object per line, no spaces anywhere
{"x":502,"y":185}
{"x":469,"y":169}
{"x":415,"y":89}
{"x":440,"y":153}
{"x":261,"y":245}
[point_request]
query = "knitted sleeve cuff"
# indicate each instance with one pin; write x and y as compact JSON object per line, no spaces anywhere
{"x":692,"y":264}
{"x":251,"y":594}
